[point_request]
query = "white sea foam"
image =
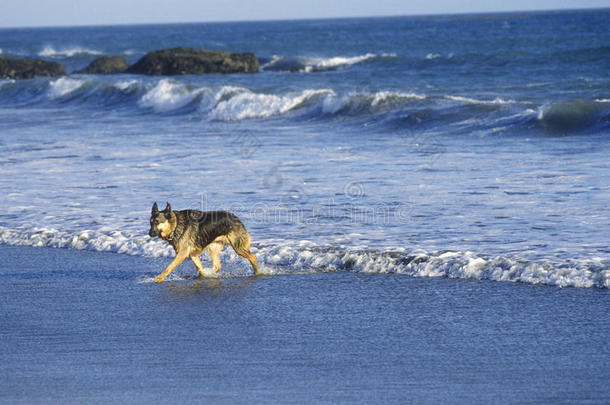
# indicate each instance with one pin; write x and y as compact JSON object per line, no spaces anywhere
{"x":465,"y":265}
{"x":237,"y":103}
{"x":334,"y":104}
{"x":246,"y":104}
{"x":292,"y":257}
{"x":383,"y":96}
{"x":469,"y":100}
{"x":331,"y":105}
{"x":168,"y":95}
{"x":212,"y":98}
{"x":321,"y":63}
{"x":541,"y":112}
{"x":314,"y":64}
{"x":274,"y":60}
{"x":4,"y":82}
{"x":63,"y":86}
{"x":126,"y":84}
{"x":100,"y":241}
{"x":525,"y":114}
{"x":431,"y":56}
{"x":226,"y":92}
{"x":50,"y":52}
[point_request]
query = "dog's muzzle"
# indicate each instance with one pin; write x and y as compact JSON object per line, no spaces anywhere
{"x":152,"y":233}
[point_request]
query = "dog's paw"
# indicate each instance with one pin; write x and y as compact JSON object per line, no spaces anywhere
{"x":208,"y":273}
{"x":159,"y":279}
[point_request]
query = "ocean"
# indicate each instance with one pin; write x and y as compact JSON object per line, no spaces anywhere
{"x":381,"y":165}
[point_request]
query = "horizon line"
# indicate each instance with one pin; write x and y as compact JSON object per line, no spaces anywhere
{"x":450,"y":14}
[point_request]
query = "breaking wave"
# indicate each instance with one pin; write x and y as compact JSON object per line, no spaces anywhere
{"x":4,"y":82}
{"x":284,"y":257}
{"x":572,"y":115}
{"x":254,"y":105}
{"x":403,"y":110}
{"x":50,"y":52}
{"x":168,"y":95}
{"x":127,"y":85}
{"x":64,"y":86}
{"x":318,"y":64}
{"x":497,"y":100}
{"x":240,"y":104}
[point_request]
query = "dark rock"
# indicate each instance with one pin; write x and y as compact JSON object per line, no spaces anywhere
{"x":29,"y":68}
{"x":186,"y":61}
{"x":106,"y":65}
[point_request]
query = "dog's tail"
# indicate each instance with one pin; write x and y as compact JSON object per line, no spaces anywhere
{"x":239,"y":239}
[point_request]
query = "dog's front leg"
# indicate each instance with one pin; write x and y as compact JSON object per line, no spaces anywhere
{"x":177,"y":260}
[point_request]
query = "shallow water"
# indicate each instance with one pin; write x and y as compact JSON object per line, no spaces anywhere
{"x":83,"y":327}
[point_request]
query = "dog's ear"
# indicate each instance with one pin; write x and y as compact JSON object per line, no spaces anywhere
{"x":155,"y":209}
{"x":168,"y":209}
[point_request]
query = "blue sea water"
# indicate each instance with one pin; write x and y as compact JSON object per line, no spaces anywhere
{"x":418,"y":190}
{"x":470,"y":146}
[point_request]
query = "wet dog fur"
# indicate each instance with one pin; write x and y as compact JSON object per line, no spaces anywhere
{"x":190,"y":232}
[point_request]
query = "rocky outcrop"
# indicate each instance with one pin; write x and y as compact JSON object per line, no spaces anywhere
{"x":29,"y":68}
{"x":187,"y":61}
{"x":106,"y":65}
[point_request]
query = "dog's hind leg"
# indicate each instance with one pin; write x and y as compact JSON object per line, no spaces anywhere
{"x":240,"y":241}
{"x":214,"y":250}
{"x":195,"y":259}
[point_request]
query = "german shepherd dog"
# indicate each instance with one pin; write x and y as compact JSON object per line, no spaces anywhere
{"x":190,"y":232}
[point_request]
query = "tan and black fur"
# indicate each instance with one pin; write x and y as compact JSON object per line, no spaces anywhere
{"x":190,"y":232}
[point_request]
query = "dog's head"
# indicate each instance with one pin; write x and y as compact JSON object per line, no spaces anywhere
{"x":159,"y":220}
